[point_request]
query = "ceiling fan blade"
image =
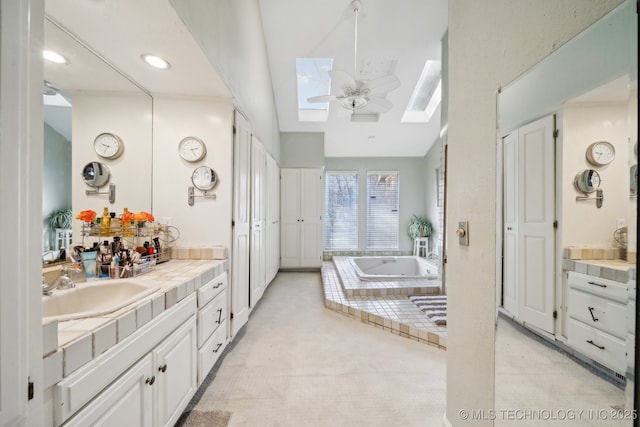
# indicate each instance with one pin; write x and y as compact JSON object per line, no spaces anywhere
{"x":378,"y":105}
{"x":322,"y":98}
{"x":341,"y":79}
{"x":383,"y":84}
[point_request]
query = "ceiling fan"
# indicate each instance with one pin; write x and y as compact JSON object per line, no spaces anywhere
{"x":354,"y":94}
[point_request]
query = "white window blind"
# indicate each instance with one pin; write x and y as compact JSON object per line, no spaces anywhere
{"x":341,"y":210}
{"x":382,"y":210}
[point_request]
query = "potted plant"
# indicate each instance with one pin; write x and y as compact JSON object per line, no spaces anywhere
{"x":419,"y":226}
{"x":60,"y":218}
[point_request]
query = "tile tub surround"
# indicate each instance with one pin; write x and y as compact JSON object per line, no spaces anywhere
{"x":394,"y":313}
{"x":81,"y":340}
{"x":353,"y":286}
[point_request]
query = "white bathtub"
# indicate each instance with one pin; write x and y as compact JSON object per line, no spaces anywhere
{"x":391,"y":268}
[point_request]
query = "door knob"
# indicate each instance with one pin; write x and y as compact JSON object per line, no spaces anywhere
{"x":460,"y":232}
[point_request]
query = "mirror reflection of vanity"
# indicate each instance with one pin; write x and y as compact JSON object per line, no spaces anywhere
{"x":566,"y":301}
{"x":88,"y":98}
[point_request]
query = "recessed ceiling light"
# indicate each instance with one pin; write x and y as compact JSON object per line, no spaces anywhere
{"x":156,"y":61}
{"x":52,"y":56}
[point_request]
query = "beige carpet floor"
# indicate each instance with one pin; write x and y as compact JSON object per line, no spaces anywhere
{"x":300,"y":364}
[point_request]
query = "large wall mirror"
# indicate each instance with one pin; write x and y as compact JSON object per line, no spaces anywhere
{"x":566,"y":294}
{"x":83,"y":98}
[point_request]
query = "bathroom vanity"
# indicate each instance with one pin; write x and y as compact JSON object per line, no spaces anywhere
{"x":600,"y":302}
{"x":141,"y":364}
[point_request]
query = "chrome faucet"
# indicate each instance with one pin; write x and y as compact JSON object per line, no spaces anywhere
{"x":62,"y":282}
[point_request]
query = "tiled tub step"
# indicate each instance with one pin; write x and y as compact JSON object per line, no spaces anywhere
{"x":391,"y":312}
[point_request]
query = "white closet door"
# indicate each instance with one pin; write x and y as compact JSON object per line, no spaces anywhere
{"x":240,"y":259}
{"x":257,"y":276}
{"x":290,"y":217}
{"x":536,"y":211}
{"x":311,"y":208}
{"x":510,"y":219}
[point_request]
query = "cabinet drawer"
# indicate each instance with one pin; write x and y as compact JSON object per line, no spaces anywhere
{"x":211,"y":317}
{"x":597,"y":345}
{"x":209,"y":291}
{"x":598,"y":312}
{"x":597,"y":286}
{"x":211,"y":351}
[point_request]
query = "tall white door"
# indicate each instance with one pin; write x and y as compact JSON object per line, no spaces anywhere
{"x":311,"y":211}
{"x":257,"y":276}
{"x":536,"y":212}
{"x":240,"y":250}
{"x":290,"y":217}
{"x":510,"y":228}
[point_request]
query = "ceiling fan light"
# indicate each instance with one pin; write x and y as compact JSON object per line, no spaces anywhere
{"x":354,"y":102}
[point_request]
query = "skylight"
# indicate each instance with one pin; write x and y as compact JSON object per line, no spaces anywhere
{"x":426,"y":95}
{"x":313,"y":80}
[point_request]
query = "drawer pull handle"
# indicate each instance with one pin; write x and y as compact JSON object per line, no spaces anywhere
{"x":601,"y":347}
{"x":218,"y":347}
{"x":594,"y":318}
{"x":597,"y":284}
{"x":219,"y":316}
{"x":151,"y":380}
{"x":217,"y":285}
{"x":163,"y":368}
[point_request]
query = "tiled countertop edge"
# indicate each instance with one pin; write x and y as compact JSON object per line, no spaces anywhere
{"x":82,"y":340}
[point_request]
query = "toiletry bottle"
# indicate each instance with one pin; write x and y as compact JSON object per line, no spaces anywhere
{"x":115,"y":224}
{"x":105,"y":223}
{"x":125,"y":222}
{"x":112,"y":269}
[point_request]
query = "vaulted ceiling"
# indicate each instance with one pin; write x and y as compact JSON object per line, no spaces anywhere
{"x":408,"y":32}
{"x":404,"y":33}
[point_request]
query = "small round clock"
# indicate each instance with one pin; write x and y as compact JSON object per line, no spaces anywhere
{"x":600,"y":153}
{"x":108,"y":145}
{"x":192,"y":149}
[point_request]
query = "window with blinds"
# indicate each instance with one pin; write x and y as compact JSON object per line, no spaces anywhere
{"x":382,"y":210}
{"x":341,"y":210}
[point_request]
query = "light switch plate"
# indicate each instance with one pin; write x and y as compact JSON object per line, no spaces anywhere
{"x":463,"y":233}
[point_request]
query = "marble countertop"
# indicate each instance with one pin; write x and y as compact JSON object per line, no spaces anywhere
{"x":67,"y":345}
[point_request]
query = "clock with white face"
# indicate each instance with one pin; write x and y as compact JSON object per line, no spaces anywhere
{"x":108,"y":145}
{"x":192,"y":149}
{"x":600,"y":153}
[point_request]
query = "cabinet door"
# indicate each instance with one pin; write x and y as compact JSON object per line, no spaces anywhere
{"x":175,"y":371}
{"x":127,"y":402}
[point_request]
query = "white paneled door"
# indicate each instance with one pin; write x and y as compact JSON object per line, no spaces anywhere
{"x":510,"y":231}
{"x":536,"y":213}
{"x":241,"y":219}
{"x":301,"y":195}
{"x":257,"y":256}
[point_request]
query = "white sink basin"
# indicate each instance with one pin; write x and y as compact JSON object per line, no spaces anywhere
{"x":93,"y":299}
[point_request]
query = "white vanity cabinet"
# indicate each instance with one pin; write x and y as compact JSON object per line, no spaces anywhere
{"x":145,"y":380}
{"x":153,"y":392}
{"x":597,"y":310}
{"x":127,"y":402}
{"x":212,"y":325}
{"x":175,"y":373}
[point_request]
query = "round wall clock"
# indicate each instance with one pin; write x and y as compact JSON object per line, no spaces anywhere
{"x":192,"y":149}
{"x":600,"y":153}
{"x":108,"y":145}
